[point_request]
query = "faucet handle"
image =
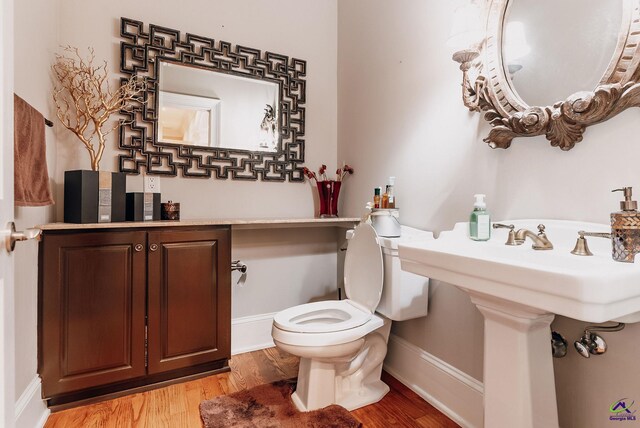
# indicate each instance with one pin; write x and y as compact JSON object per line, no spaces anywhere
{"x":595,"y":234}
{"x":503,"y":226}
{"x":511,"y":239}
{"x":541,"y":229}
{"x":581,"y":248}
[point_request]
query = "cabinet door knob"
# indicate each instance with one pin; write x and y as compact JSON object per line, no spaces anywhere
{"x":138,"y":247}
{"x":153,"y":247}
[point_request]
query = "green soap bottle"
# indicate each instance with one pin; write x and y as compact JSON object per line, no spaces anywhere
{"x":480,"y":220}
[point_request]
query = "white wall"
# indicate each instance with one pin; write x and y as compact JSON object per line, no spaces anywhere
{"x":400,"y":113}
{"x":286,"y":267}
{"x":35,"y":41}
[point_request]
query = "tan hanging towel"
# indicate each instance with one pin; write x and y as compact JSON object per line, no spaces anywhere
{"x":31,"y":177}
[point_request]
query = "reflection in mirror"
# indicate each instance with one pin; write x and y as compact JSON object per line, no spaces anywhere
{"x":211,"y":109}
{"x":186,"y":119}
{"x":569,"y":42}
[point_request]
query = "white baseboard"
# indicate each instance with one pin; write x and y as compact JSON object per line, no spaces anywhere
{"x":454,"y":393}
{"x":251,"y":333}
{"x":30,"y":409}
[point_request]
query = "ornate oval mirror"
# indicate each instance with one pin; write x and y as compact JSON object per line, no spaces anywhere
{"x":553,"y":68}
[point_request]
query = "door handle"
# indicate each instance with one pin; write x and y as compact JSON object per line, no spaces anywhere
{"x":15,"y":236}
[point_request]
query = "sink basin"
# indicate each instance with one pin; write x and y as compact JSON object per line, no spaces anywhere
{"x":588,"y":288}
{"x":519,"y":290}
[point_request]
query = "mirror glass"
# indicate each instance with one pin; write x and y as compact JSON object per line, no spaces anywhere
{"x":187,"y":119}
{"x":552,"y":49}
{"x":211,"y":109}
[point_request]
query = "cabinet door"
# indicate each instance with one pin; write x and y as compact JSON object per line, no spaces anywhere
{"x":189,"y":306}
{"x":92,"y":309}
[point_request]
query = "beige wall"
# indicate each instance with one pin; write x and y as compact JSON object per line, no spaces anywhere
{"x":400,"y":113}
{"x":286,"y":267}
{"x":311,"y":35}
{"x":279,"y":261}
{"x":35,"y":42}
{"x":305,"y":30}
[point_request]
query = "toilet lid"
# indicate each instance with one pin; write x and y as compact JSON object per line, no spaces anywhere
{"x":363,"y":269}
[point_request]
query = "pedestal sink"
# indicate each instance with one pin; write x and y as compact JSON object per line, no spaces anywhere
{"x":519,"y":290}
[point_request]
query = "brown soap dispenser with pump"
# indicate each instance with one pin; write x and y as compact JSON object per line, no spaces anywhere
{"x":625,"y":229}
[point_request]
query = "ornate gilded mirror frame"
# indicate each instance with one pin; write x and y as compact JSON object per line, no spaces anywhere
{"x":564,"y":122}
{"x":141,"y":54}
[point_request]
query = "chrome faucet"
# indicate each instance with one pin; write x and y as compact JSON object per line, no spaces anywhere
{"x":540,"y":240}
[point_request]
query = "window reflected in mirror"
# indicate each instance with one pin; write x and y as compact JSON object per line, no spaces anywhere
{"x":205,"y":108}
{"x":186,"y":119}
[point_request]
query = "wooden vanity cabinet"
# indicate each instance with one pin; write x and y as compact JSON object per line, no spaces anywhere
{"x":92,"y":310}
{"x":123,"y":309}
{"x":189,"y":303}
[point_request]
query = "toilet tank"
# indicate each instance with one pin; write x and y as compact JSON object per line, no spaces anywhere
{"x":404,"y":295}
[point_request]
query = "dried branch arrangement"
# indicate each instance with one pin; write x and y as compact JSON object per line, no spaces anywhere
{"x":85,"y":100}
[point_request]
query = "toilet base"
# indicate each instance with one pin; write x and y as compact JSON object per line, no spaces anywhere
{"x":370,"y":394}
{"x":351,"y":380}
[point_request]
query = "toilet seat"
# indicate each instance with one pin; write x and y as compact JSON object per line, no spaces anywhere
{"x":321,"y":317}
{"x":323,"y":339}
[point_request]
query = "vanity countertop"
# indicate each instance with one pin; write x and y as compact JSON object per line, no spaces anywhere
{"x":244,"y":223}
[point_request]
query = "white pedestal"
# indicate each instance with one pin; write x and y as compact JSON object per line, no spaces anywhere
{"x":316,"y":385}
{"x":519,"y":386}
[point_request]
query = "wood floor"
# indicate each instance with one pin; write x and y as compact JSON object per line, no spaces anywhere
{"x":177,"y":405}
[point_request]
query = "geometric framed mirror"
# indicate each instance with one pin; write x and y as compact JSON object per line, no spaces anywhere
{"x":211,"y":109}
{"x":547,"y":67}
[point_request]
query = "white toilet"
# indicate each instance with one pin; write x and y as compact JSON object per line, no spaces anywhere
{"x":342,"y":343}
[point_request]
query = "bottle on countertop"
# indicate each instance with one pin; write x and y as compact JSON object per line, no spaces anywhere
{"x":385,"y":200}
{"x":390,"y":192}
{"x":479,"y":220}
{"x":376,"y":197}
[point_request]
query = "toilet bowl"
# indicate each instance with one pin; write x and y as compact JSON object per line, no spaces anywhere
{"x":342,"y":343}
